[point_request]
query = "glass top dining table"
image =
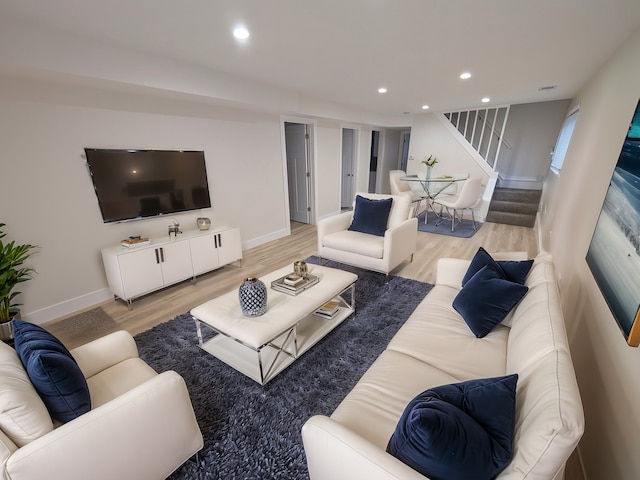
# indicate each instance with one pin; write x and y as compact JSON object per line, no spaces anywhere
{"x":433,"y":186}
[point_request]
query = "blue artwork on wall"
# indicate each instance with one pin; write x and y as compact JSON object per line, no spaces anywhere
{"x":614,"y":252}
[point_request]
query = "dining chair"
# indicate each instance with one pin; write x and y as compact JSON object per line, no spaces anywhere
{"x":402,"y":187}
{"x":455,"y":205}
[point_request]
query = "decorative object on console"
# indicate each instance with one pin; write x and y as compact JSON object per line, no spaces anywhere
{"x":300,"y":268}
{"x":12,"y":272}
{"x":174,"y":229}
{"x":203,"y":223}
{"x":459,"y":431}
{"x":135,"y":242}
{"x":253,"y":297}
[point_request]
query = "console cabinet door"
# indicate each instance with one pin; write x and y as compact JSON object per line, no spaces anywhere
{"x":175,"y":262}
{"x":204,"y":256}
{"x":141,"y":272}
{"x":229,"y":246}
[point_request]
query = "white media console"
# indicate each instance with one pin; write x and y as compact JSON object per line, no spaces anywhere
{"x":136,"y":271}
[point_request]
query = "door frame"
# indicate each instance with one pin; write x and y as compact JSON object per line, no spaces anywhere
{"x":356,"y":154}
{"x":311,"y":156}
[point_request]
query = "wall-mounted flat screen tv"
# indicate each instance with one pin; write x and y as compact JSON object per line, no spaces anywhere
{"x":134,"y":184}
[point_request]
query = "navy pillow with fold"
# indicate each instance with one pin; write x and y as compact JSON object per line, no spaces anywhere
{"x":53,"y":371}
{"x":371,"y":216}
{"x":515,"y":271}
{"x":459,"y":431}
{"x":486,"y":299}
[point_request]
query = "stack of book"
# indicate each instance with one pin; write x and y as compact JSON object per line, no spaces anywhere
{"x":329,"y":309}
{"x":293,"y":284}
{"x":134,"y":242}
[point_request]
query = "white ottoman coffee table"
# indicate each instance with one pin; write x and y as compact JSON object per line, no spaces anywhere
{"x":261,"y":347}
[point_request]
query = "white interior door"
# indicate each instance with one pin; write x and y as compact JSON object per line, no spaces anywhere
{"x":298,"y":171}
{"x":348,"y":167}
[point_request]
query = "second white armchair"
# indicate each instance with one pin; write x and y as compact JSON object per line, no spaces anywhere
{"x":380,"y":253}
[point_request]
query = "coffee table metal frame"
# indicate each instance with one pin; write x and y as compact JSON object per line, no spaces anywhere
{"x":274,"y":355}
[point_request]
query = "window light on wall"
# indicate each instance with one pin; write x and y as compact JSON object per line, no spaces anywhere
{"x":562,"y":144}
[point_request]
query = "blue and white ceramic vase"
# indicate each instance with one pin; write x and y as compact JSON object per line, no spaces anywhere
{"x":253,"y":297}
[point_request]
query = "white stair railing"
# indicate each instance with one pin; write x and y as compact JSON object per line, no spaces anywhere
{"x":483,"y":129}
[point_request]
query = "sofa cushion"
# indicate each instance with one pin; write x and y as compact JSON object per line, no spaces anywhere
{"x":486,"y":299}
{"x":53,"y":372}
{"x":458,"y":431}
{"x":371,"y":216}
{"x":514,"y":271}
{"x":355,"y":242}
{"x":23,"y":416}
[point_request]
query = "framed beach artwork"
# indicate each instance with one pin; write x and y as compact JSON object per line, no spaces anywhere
{"x":614,"y":252}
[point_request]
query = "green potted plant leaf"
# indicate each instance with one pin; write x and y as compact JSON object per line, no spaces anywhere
{"x":12,"y":272}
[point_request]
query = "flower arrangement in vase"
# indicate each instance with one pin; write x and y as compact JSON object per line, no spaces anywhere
{"x":429,"y":161}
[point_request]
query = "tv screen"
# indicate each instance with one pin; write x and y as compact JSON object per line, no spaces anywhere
{"x":133,"y":184}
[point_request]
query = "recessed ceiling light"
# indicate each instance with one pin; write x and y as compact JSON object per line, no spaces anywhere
{"x":547,"y":88}
{"x":240,"y":32}
{"x":382,"y":90}
{"x":425,"y":107}
{"x":465,"y":75}
{"x":486,"y":100}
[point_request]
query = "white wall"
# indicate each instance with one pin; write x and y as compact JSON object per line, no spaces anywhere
{"x":47,"y":196}
{"x":607,"y":369}
{"x":430,"y":137}
{"x":328,"y":167}
{"x":531,"y":132}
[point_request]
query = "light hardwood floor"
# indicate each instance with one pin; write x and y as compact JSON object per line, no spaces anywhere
{"x":164,"y":305}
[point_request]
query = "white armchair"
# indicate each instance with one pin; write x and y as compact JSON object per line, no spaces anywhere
{"x":141,"y":424}
{"x":372,"y":252}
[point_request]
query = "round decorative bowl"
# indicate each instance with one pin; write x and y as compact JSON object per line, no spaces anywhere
{"x":203,"y":223}
{"x":252,"y":295}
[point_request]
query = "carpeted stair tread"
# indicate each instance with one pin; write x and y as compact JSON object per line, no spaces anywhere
{"x":514,"y":206}
{"x":507,"y":218}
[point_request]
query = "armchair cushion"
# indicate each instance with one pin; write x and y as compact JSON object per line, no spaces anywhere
{"x":53,"y":371}
{"x":371,"y":216}
{"x":486,"y":299}
{"x":23,"y":416}
{"x":459,"y":431}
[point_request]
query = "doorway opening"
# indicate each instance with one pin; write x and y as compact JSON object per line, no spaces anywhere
{"x":373,"y":162}
{"x":298,"y":154}
{"x":348,"y":177}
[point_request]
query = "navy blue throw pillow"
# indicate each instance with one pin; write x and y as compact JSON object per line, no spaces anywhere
{"x":486,"y":299}
{"x":53,"y":371}
{"x":515,"y":271}
{"x":459,"y":431}
{"x":371,"y":216}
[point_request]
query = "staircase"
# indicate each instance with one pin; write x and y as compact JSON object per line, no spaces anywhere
{"x":514,"y":206}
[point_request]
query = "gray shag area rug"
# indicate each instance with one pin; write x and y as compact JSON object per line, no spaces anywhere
{"x":255,"y":433}
{"x":462,"y":230}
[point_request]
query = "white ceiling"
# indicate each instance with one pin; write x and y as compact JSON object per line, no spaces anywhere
{"x":342,"y":50}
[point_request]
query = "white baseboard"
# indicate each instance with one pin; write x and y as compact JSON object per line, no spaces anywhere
{"x":254,"y":242}
{"x":68,"y":307}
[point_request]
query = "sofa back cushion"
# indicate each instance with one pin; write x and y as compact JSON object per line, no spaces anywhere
{"x":23,"y":416}
{"x":549,"y":416}
{"x":399,"y":209}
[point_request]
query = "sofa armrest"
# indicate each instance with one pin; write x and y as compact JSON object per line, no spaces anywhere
{"x":100,"y":354}
{"x":145,"y":433}
{"x":400,"y":242}
{"x":336,"y":453}
{"x":332,"y":224}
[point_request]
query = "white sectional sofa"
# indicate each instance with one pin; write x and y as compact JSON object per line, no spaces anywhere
{"x":436,"y":347}
{"x":141,"y":424}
